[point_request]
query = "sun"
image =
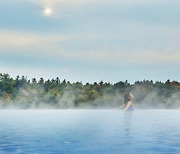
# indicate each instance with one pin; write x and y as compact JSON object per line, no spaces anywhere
{"x":47,"y":11}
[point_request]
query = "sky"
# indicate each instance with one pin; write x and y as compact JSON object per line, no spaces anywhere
{"x":91,"y":40}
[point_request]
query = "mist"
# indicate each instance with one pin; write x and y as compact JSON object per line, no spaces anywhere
{"x":21,"y":93}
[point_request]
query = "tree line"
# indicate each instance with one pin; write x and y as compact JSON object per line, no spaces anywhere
{"x":22,"y":93}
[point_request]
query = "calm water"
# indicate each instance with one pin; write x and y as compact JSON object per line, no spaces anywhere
{"x":89,"y":131}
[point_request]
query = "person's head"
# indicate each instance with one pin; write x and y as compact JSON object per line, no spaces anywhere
{"x":128,"y":97}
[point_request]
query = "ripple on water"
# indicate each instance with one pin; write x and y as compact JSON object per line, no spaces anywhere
{"x":90,"y":131}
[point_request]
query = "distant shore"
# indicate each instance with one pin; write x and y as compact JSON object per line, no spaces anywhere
{"x":21,"y":93}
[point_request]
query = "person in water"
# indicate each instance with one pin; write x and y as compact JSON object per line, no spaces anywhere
{"x":128,"y":102}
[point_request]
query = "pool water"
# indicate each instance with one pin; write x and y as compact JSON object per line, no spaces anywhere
{"x":89,"y":131}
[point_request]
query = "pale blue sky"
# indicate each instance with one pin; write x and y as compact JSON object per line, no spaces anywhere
{"x":91,"y":40}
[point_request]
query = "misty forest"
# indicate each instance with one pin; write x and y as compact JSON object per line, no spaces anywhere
{"x":21,"y":93}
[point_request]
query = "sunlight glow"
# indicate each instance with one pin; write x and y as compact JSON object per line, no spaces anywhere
{"x":47,"y":11}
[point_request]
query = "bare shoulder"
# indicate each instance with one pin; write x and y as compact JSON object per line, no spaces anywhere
{"x":130,"y":103}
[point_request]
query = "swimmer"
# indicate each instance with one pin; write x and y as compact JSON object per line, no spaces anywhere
{"x":128,"y":102}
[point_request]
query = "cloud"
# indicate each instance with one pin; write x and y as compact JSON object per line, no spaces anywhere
{"x":163,"y":57}
{"x":71,"y":47}
{"x":70,"y":7}
{"x":121,"y":56}
{"x":62,"y":71}
{"x":16,"y":39}
{"x":77,"y":2}
{"x":13,"y":39}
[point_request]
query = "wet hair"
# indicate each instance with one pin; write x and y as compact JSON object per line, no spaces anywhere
{"x":128,"y":97}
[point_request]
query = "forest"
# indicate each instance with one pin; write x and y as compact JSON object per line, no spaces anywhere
{"x":21,"y":93}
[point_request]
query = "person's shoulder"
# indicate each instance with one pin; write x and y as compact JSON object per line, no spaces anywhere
{"x":129,"y":103}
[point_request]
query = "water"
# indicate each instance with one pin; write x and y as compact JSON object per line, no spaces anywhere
{"x":89,"y":131}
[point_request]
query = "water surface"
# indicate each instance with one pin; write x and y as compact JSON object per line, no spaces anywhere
{"x":89,"y":131}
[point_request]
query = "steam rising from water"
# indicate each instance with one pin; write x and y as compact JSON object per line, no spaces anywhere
{"x":37,"y":98}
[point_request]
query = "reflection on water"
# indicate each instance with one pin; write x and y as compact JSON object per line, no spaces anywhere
{"x":127,"y":127}
{"x":90,"y":131}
